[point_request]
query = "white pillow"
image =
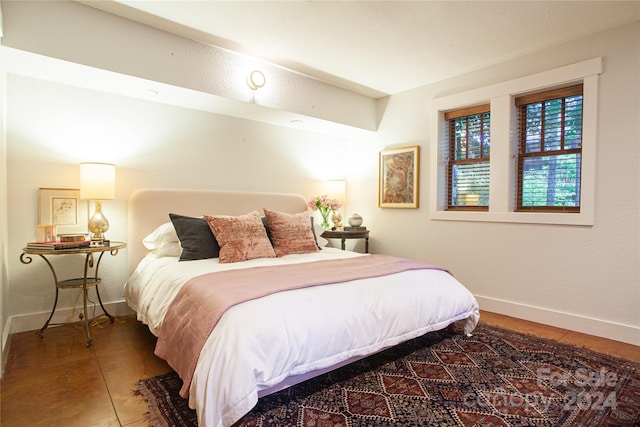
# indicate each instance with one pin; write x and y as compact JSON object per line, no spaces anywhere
{"x":164,"y":233}
{"x":168,"y":249}
{"x":322,"y":242}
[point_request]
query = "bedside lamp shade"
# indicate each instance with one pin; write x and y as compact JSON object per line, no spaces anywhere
{"x":336,"y":189}
{"x":98,"y":183}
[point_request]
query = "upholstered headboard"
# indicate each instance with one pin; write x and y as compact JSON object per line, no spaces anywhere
{"x":148,"y":208}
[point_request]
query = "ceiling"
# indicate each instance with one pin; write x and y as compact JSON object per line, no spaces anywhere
{"x":379,"y":48}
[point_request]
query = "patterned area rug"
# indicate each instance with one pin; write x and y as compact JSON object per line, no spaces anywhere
{"x":494,"y":378}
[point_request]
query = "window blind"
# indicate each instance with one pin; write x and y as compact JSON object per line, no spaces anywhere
{"x":468,"y":158}
{"x":549,"y":150}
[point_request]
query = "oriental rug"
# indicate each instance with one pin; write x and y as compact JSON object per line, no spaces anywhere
{"x":495,"y":377}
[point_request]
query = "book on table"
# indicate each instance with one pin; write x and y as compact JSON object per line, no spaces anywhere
{"x":76,"y":237}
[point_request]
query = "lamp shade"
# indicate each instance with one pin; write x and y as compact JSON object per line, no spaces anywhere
{"x":336,"y":189}
{"x":97,"y":181}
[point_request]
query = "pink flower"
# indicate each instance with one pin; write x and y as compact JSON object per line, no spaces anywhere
{"x":324,"y":203}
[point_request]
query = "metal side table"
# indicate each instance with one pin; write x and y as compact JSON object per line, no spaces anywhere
{"x":89,"y":280}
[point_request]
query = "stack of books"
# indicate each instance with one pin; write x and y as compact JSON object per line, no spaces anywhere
{"x":66,"y":241}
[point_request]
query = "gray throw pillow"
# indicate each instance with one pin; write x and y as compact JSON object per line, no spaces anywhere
{"x":196,"y":238}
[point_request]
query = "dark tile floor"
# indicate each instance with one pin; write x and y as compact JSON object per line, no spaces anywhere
{"x":57,"y":381}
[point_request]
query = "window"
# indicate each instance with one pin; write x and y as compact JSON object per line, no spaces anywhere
{"x":542,"y":141}
{"x":550,"y":150}
{"x":468,"y":160}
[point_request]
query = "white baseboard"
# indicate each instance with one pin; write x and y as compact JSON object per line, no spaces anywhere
{"x":5,"y":335}
{"x":5,"y":347}
{"x":587,"y":325}
{"x":34,"y":321}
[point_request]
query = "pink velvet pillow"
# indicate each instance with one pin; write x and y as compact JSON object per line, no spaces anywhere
{"x":290,"y":233}
{"x":240,"y":237}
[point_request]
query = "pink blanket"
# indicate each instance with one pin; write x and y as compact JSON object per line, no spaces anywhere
{"x":204,"y":299}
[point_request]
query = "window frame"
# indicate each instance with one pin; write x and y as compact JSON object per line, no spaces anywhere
{"x":521,"y":102}
{"x":503,"y":167}
{"x":450,"y":117}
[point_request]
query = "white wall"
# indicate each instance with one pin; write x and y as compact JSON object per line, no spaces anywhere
{"x":583,"y":278}
{"x":4,"y":281}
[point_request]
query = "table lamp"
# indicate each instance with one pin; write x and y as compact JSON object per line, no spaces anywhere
{"x":97,"y":183}
{"x":336,"y":190}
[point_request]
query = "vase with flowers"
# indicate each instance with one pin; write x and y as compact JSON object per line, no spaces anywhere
{"x":325,"y":205}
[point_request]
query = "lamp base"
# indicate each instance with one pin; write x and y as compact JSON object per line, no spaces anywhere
{"x":97,"y":237}
{"x":98,"y":224}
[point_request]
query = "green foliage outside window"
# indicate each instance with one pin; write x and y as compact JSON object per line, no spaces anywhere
{"x":469,"y":165}
{"x":550,"y":158}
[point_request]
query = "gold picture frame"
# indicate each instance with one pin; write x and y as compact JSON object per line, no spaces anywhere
{"x":63,"y":208}
{"x":398,"y":177}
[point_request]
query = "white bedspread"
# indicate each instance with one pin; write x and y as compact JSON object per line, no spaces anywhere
{"x":260,"y":345}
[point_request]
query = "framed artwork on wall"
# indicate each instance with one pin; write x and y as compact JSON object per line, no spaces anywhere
{"x":398,"y":177}
{"x":63,"y":208}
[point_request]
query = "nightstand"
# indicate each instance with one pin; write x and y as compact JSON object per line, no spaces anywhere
{"x":88,"y":280}
{"x":344,"y":235}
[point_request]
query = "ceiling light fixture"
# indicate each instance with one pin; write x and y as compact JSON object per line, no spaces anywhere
{"x":256,"y":80}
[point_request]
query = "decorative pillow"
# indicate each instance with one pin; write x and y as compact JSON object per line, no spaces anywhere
{"x":196,"y":238}
{"x":241,"y":237}
{"x":164,"y":233}
{"x":290,"y":233}
{"x":315,"y":227}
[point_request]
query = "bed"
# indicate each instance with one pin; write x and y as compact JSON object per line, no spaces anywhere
{"x":278,"y":319}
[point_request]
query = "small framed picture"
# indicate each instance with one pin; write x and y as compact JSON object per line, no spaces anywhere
{"x":63,"y":208}
{"x":398,"y":177}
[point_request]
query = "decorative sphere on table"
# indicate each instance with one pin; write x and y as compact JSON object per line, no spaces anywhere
{"x":355,"y":220}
